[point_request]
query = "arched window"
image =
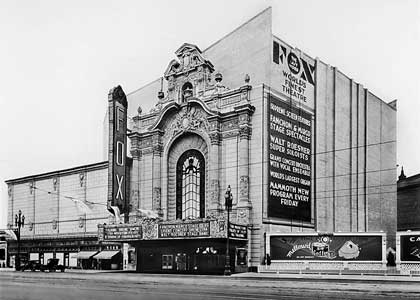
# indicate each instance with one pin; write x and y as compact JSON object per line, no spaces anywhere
{"x":190,"y":185}
{"x":187,"y":91}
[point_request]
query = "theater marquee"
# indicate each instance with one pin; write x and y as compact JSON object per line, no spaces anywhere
{"x":289,"y":158}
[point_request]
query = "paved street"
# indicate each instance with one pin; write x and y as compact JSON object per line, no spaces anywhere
{"x":73,"y":285}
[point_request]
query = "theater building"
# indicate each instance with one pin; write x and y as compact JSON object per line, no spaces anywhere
{"x":308,"y":154}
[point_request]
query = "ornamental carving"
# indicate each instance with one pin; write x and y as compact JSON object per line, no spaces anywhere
{"x":157,"y":149}
{"x":214,"y":191}
{"x":244,"y":119}
{"x":9,"y":191}
{"x":229,"y":125}
{"x":134,"y":199}
{"x":191,"y":119}
{"x":146,"y":151}
{"x":135,"y":153}
{"x":243,"y":187}
{"x":215,"y":138}
{"x":244,"y":95}
{"x":245,"y":132}
{"x":81,"y":222}
{"x":150,"y":230}
{"x":189,"y":67}
{"x":242,"y":216}
{"x":229,"y":134}
{"x":156,"y":198}
{"x":218,"y":228}
{"x":145,"y":142}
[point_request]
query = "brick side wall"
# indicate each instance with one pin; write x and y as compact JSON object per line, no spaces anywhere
{"x":51,"y":208}
{"x":409,"y":203}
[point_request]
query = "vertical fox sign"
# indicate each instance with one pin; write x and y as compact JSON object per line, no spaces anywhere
{"x":117,"y":156}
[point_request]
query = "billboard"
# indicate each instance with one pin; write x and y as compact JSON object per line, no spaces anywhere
{"x":326,"y":247}
{"x":289,"y":159}
{"x":294,"y":73}
{"x":410,"y":247}
{"x":117,"y":156}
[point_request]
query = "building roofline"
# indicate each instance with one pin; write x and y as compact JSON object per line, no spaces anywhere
{"x":142,"y":87}
{"x":89,"y":167}
{"x":409,"y":182}
{"x":211,"y":45}
{"x":237,"y":28}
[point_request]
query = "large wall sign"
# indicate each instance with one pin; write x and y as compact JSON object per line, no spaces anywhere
{"x":297,"y":73}
{"x":289,"y":155}
{"x":326,"y":247}
{"x":117,"y":157}
{"x":410,"y":247}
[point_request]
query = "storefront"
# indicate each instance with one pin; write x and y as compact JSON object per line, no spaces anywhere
{"x":71,"y":252}
{"x":181,"y":247}
{"x":3,"y":254}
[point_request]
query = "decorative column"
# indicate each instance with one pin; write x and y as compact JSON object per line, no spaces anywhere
{"x":134,"y":180}
{"x":156,"y":177}
{"x":215,"y":201}
{"x":245,"y":131}
{"x":244,"y":136}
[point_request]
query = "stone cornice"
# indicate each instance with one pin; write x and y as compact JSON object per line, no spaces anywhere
{"x":58,"y":173}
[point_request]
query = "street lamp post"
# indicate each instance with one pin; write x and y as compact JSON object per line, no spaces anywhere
{"x":228,"y":205}
{"x":19,"y":222}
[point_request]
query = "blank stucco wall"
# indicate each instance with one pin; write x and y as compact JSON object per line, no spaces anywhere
{"x":246,"y":50}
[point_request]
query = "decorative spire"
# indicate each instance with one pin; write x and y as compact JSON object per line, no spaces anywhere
{"x":247,"y":78}
{"x":402,"y":175}
{"x":218,"y":77}
{"x":161,"y":95}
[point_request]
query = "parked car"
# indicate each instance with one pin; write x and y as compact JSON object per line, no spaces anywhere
{"x":32,"y":265}
{"x":52,"y":265}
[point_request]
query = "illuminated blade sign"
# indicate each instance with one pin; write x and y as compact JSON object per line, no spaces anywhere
{"x":117,"y":156}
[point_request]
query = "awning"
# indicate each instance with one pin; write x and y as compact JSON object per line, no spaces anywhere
{"x":85,"y":254}
{"x":107,"y":254}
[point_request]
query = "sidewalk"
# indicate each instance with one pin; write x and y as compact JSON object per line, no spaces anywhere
{"x":324,"y":276}
{"x":251,"y":276}
{"x":6,"y":269}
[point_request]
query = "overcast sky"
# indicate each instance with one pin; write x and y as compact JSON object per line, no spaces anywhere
{"x":58,"y":59}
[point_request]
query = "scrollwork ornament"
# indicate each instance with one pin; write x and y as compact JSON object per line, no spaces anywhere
{"x":245,"y":132}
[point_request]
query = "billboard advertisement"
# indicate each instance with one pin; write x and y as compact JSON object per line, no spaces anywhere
{"x":294,"y":73}
{"x":326,"y":247}
{"x":410,"y":247}
{"x":289,"y":159}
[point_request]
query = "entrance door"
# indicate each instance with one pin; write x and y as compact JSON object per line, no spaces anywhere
{"x":181,"y":262}
{"x":167,"y":261}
